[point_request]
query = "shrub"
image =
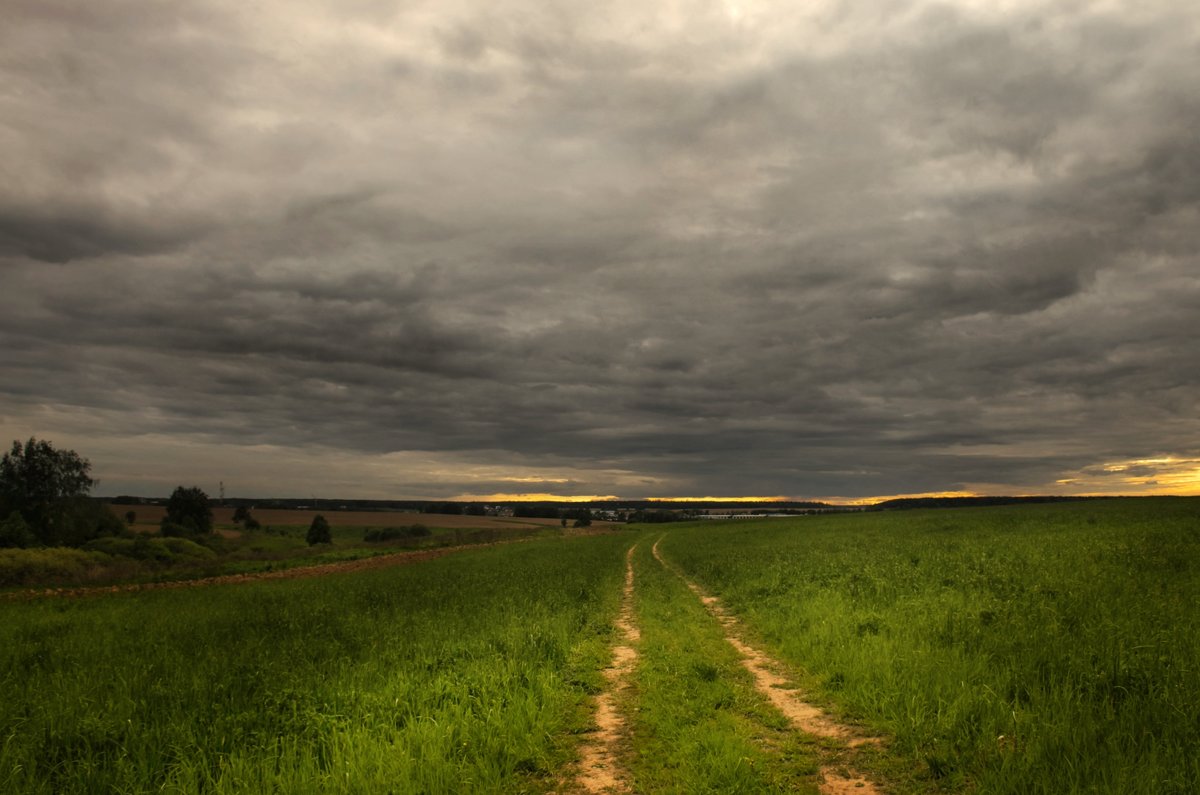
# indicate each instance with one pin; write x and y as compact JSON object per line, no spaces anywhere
{"x":173,"y":530}
{"x":319,"y":532}
{"x":39,"y":566}
{"x":378,"y":534}
{"x":14,"y":532}
{"x":163,"y":550}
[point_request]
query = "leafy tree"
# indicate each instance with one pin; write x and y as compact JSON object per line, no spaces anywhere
{"x":319,"y":532}
{"x":582,"y":517}
{"x":35,"y":478}
{"x":241,"y":513}
{"x":48,"y":488}
{"x":188,"y":509}
{"x":130,"y":517}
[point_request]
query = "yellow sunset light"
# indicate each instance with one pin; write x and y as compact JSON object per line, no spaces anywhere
{"x":533,"y":497}
{"x":882,"y":498}
{"x":718,"y":499}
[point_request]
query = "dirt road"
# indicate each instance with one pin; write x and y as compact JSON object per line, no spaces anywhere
{"x":837,"y":778}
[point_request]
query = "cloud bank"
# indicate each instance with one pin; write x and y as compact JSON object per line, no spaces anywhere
{"x":644,"y":250}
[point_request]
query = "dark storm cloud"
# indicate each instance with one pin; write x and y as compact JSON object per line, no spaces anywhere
{"x":79,"y":233}
{"x":719,"y":248}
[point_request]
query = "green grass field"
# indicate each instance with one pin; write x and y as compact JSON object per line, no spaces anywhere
{"x":1019,"y":649}
{"x":468,"y":673}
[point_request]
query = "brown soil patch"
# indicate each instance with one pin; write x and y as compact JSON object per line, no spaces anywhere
{"x":836,"y":782}
{"x":807,"y":717}
{"x":599,"y":768}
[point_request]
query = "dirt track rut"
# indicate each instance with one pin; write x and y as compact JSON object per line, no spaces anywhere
{"x":600,"y":770}
{"x":807,"y":717}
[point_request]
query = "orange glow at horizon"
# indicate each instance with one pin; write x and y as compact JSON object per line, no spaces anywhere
{"x":882,"y":498}
{"x":1159,"y":476}
{"x":1155,"y":475}
{"x":718,"y":499}
{"x":534,"y":497}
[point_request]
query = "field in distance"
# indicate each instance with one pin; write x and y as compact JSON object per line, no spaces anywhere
{"x":151,"y":515}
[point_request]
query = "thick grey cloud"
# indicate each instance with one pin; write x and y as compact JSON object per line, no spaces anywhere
{"x":694,"y":248}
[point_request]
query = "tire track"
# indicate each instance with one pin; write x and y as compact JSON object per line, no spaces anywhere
{"x":600,"y":770}
{"x":837,"y":779}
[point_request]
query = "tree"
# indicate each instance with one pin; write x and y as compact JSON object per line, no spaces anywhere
{"x":46,"y":486}
{"x":318,"y":531}
{"x":582,"y":517}
{"x":241,"y":513}
{"x":188,"y":509}
{"x":130,"y":517}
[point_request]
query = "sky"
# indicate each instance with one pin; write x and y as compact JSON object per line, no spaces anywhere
{"x":409,"y":250}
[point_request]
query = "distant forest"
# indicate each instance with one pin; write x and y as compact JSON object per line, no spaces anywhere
{"x":555,"y":508}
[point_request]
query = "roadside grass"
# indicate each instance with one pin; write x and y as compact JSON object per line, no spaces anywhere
{"x":1017,"y":649}
{"x":697,"y":725}
{"x":469,"y":673}
{"x":144,"y":558}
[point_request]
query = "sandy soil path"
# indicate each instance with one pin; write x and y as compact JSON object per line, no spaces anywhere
{"x":807,"y":717}
{"x":600,"y":770}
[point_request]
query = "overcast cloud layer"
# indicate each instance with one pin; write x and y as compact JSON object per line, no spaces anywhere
{"x":383,"y":249}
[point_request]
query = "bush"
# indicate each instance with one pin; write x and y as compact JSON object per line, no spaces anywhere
{"x":319,"y":532}
{"x":172,"y":530}
{"x":14,"y":532}
{"x":378,"y":534}
{"x":163,"y":550}
{"x":40,"y":566}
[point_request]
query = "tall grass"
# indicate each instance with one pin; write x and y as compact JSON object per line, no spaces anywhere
{"x":1021,"y":649}
{"x":465,"y":674}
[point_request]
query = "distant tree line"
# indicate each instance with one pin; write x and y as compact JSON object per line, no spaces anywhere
{"x":657,"y":516}
{"x":454,"y":508}
{"x":541,"y":510}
